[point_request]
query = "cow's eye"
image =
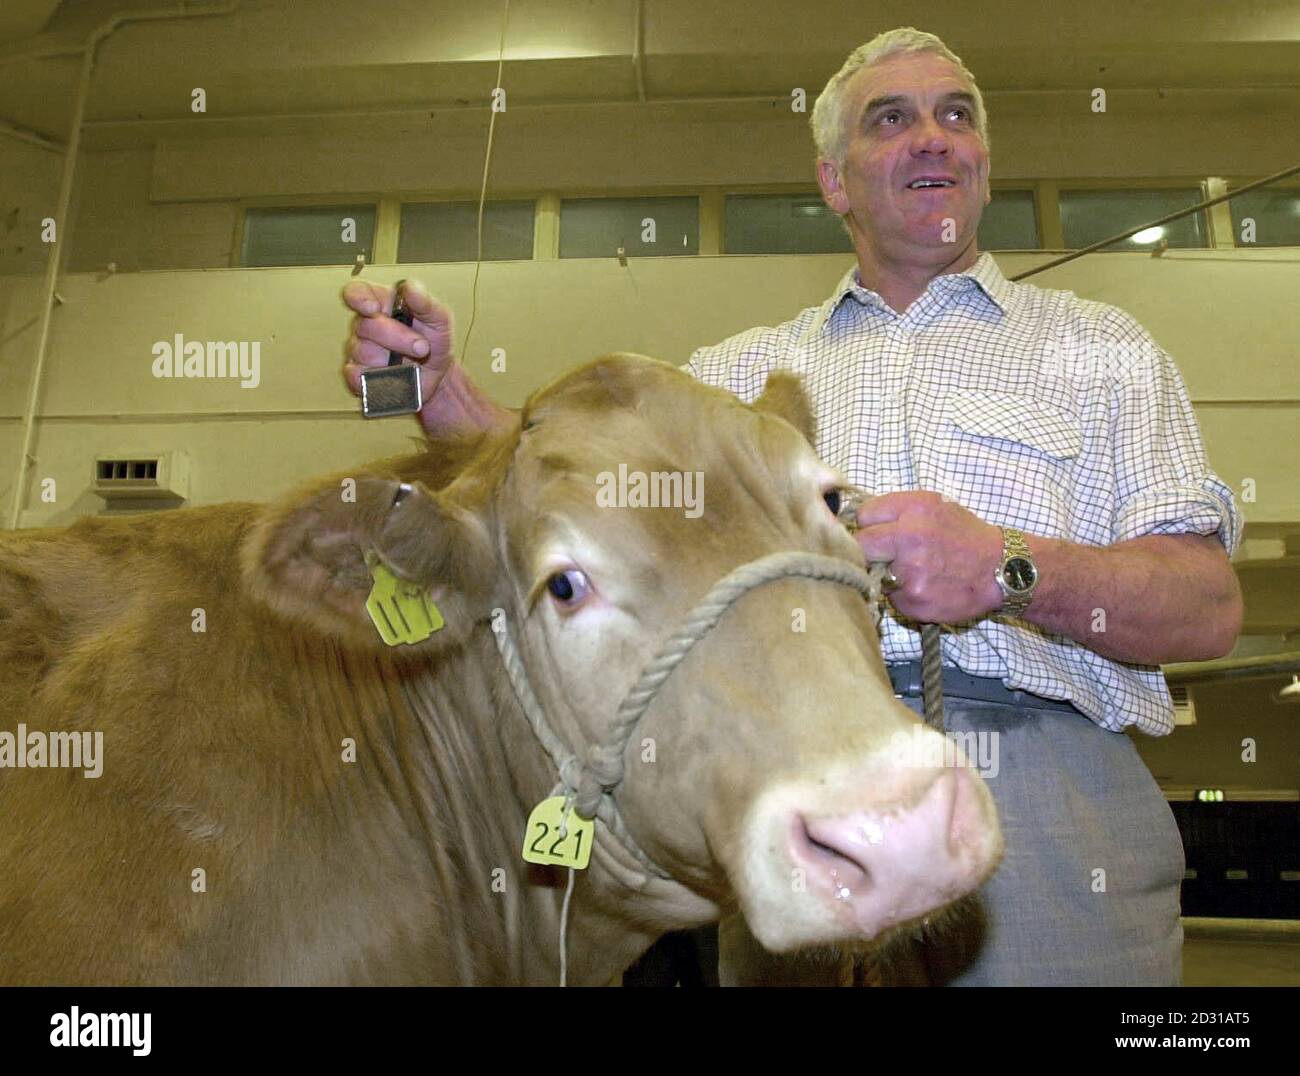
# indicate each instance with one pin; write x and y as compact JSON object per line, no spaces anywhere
{"x":569,"y":587}
{"x":833,"y":501}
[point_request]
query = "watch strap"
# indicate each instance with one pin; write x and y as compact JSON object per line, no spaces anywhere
{"x":1014,"y":545}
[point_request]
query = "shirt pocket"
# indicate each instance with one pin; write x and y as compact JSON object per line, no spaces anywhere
{"x":1010,"y":459}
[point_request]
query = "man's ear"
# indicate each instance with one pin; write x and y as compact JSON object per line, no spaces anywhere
{"x":783,"y":395}
{"x":828,"y":180}
{"x":306,"y":556}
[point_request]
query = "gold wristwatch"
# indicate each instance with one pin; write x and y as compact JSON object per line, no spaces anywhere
{"x":1017,"y":575}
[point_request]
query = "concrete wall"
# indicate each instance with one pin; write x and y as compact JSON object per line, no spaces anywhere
{"x":1209,"y":753}
{"x":116,"y":221}
{"x":29,"y":192}
{"x":1215,"y":311}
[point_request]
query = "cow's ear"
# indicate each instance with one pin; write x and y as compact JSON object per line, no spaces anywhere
{"x":310,"y":556}
{"x":783,"y":395}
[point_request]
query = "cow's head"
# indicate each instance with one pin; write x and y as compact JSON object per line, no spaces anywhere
{"x":769,"y":771}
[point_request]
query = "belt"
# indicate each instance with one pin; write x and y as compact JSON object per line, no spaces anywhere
{"x":906,"y":678}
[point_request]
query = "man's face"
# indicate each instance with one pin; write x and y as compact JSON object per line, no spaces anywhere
{"x":910,"y":116}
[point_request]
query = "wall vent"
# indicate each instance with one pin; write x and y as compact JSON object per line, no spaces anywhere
{"x":144,"y":477}
{"x":1184,"y":708}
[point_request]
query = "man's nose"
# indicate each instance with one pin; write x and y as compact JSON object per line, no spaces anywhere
{"x":930,"y":135}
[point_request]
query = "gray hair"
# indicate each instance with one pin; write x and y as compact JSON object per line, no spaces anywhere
{"x":828,"y":113}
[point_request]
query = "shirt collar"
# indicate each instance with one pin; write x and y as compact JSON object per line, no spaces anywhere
{"x":983,"y":275}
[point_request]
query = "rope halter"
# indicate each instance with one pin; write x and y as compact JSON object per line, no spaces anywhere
{"x":590,"y":782}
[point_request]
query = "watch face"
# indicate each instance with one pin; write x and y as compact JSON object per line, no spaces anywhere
{"x":1019,"y":574}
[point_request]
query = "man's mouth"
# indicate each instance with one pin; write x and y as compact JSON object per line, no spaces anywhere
{"x":931,"y":183}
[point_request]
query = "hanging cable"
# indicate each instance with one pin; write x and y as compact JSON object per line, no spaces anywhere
{"x":482,"y":194}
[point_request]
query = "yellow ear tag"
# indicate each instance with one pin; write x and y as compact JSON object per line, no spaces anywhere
{"x":402,"y":612}
{"x":554,"y":838}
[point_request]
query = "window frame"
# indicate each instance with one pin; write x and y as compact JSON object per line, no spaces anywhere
{"x":712,"y":210}
{"x":306,"y":201}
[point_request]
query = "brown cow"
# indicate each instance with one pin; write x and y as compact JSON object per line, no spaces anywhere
{"x":286,"y":799}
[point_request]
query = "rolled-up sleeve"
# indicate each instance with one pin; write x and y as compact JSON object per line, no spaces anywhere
{"x":1163,"y":481}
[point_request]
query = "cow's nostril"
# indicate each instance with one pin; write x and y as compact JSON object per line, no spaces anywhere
{"x":845,"y":870}
{"x":817,"y":845}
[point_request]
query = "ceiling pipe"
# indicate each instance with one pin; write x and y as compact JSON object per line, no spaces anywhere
{"x":12,"y":130}
{"x":559,"y":104}
{"x":47,"y":51}
{"x":265,"y":122}
{"x":638,"y":50}
{"x":99,"y":35}
{"x":418,"y":113}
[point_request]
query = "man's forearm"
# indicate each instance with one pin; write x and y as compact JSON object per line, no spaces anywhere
{"x":1151,"y":600}
{"x":460,"y":406}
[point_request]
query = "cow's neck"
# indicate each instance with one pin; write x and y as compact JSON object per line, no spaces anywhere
{"x":473,"y":770}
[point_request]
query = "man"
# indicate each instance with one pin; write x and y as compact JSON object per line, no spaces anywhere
{"x":1042,"y":491}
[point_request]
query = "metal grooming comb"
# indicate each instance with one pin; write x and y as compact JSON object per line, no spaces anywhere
{"x":393,"y":389}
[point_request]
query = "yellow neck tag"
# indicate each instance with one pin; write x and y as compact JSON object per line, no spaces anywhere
{"x":556,"y":837}
{"x":402,"y":612}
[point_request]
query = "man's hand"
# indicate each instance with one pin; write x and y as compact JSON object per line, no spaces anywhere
{"x":374,"y":334}
{"x":943,"y":556}
{"x":453,"y":403}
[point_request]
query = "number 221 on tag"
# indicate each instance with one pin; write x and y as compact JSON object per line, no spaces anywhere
{"x":552,"y":839}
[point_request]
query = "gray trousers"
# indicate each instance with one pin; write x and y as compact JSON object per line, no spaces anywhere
{"x":1087,"y":893}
